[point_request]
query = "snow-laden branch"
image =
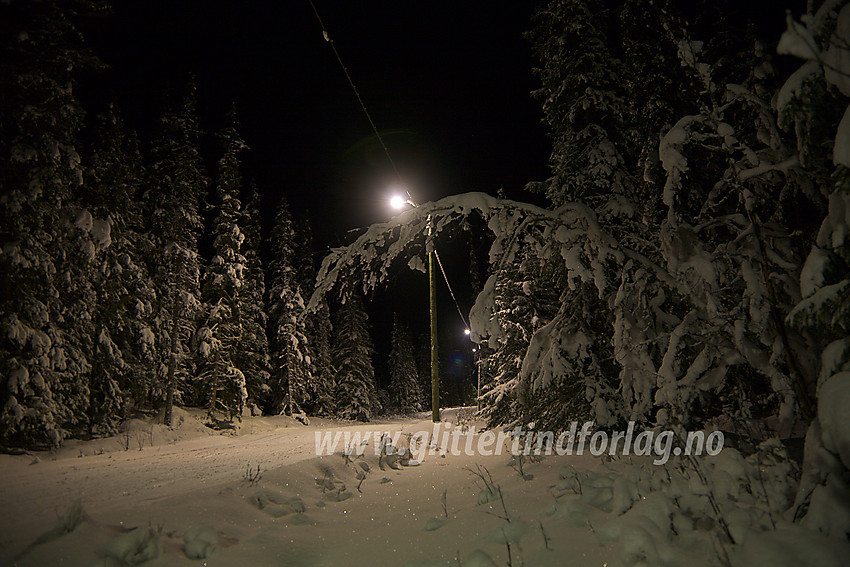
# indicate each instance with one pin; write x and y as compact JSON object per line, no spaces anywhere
{"x":374,"y":251}
{"x":572,"y":232}
{"x":832,"y":58}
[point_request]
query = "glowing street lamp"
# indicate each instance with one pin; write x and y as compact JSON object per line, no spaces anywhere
{"x":398,"y":201}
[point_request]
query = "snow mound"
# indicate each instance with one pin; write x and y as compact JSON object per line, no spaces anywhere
{"x":134,"y":547}
{"x":199,"y":542}
{"x":479,"y":558}
{"x":791,"y":548}
{"x":182,"y":420}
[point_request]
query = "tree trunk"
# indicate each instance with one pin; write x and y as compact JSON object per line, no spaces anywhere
{"x":172,"y":357}
{"x":435,"y":373}
{"x":290,"y":370}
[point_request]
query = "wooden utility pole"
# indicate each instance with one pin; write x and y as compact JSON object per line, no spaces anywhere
{"x":435,"y":372}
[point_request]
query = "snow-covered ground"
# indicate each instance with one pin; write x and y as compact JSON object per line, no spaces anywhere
{"x":193,"y":477}
{"x":186,"y":492}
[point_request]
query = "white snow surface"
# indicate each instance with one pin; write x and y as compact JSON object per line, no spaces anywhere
{"x":833,"y":231}
{"x":187,"y":485}
{"x":180,"y":496}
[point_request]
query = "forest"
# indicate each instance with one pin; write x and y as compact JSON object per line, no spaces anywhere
{"x":135,"y":277}
{"x":687,"y":270}
{"x":690,"y":267}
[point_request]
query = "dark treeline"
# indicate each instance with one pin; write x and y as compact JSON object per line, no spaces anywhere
{"x":134,"y":277}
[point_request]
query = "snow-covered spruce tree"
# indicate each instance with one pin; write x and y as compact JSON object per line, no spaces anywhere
{"x":322,"y":370}
{"x":181,"y":184}
{"x":809,"y":104}
{"x":738,"y":214}
{"x":404,"y":390}
{"x":525,"y":299}
{"x":223,"y":292}
{"x":597,"y":150}
{"x":252,"y":351}
{"x":679,"y":284}
{"x":302,"y":253}
{"x":287,"y":334}
{"x":586,"y":106}
{"x":319,"y":385}
{"x":579,"y":72}
{"x":356,"y":393}
{"x":124,"y":326}
{"x":46,"y":298}
{"x":499,"y":396}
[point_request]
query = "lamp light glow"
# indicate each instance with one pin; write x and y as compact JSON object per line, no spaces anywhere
{"x":397,"y":202}
{"x":467,"y":332}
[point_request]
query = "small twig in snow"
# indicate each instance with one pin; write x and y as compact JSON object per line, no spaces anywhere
{"x":253,"y":477}
{"x":545,"y":537}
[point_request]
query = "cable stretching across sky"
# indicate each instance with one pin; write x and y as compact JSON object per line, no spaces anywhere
{"x":328,"y":39}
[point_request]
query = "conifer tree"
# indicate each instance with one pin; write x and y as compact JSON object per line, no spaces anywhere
{"x":223,"y":381}
{"x":356,"y":393}
{"x":288,"y":340}
{"x":46,"y":241}
{"x":812,"y":105}
{"x":319,"y":382}
{"x":674,"y":208}
{"x":123,"y":323}
{"x":404,"y":390}
{"x":526,"y":298}
{"x":572,"y":42}
{"x":302,"y":253}
{"x":252,"y":352}
{"x":181,"y":184}
{"x":319,"y":332}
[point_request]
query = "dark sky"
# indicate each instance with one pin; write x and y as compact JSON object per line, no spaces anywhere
{"x":447,"y":83}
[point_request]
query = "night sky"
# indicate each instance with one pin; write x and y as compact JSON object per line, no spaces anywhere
{"x":447,"y":83}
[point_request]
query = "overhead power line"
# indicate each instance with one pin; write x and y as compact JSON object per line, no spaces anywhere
{"x":380,"y":138}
